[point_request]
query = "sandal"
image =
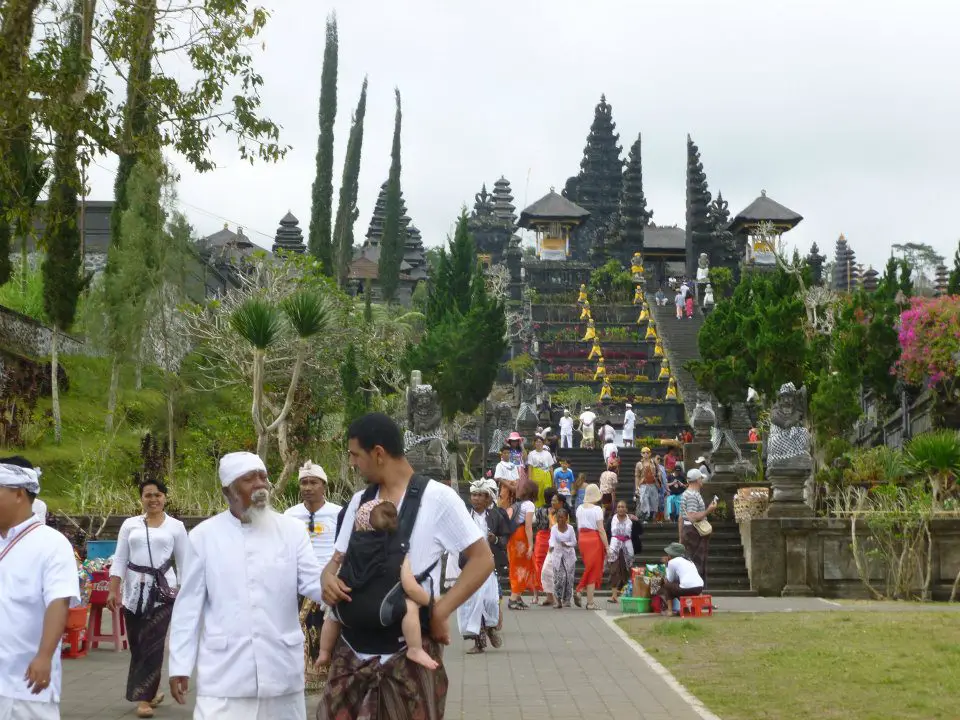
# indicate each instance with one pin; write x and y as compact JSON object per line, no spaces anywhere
{"x":145,"y":712}
{"x":591,"y":606}
{"x":612,"y":601}
{"x":578,"y":599}
{"x":516,"y":605}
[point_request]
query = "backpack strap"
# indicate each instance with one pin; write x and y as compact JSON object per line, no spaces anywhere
{"x":410,"y":508}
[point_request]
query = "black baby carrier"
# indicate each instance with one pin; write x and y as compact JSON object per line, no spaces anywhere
{"x":371,"y":569}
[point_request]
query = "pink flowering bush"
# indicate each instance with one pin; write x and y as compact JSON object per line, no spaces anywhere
{"x":930,"y":343}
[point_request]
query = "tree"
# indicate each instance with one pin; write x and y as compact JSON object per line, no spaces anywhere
{"x":62,"y":267}
{"x":465,"y":340}
{"x":349,"y":188}
{"x":922,"y":259}
{"x":699,"y":227}
{"x":354,"y":399}
{"x":321,"y":210}
{"x":391,"y":247}
{"x":953,"y":286}
{"x":634,"y":216}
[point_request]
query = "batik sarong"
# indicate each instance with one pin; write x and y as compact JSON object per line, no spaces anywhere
{"x":563,"y":563}
{"x":311,"y":621}
{"x":481,"y":610}
{"x":395,"y":690}
{"x":698,"y":549}
{"x":146,"y":635}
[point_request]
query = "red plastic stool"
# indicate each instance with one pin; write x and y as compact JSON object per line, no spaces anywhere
{"x":696,"y":606}
{"x":75,"y":634}
{"x":118,"y":627}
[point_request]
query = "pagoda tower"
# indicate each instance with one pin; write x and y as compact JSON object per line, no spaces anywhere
{"x":503,"y":206}
{"x":493,"y":221}
{"x":597,"y":187}
{"x":815,"y":261}
{"x":845,"y":267}
{"x":289,"y":237}
{"x":634,"y":216}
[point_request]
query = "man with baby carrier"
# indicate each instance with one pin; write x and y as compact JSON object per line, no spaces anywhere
{"x":369,"y":668}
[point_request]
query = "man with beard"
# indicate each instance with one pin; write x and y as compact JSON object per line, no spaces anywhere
{"x":236,"y":619}
{"x":479,"y":617}
{"x":370,"y":675}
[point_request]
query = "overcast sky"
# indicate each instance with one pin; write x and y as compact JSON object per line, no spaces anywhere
{"x":845,"y":111}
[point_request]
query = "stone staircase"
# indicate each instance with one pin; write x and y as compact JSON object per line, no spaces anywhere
{"x":680,"y":346}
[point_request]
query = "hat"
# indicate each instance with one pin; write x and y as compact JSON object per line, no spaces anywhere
{"x":237,"y":464}
{"x":362,"y":520}
{"x":701,"y":459}
{"x":14,"y":476}
{"x":484,"y":485}
{"x":694,"y":475}
{"x":514,"y":436}
{"x":309,"y":469}
{"x":675,"y":549}
{"x":592,"y":494}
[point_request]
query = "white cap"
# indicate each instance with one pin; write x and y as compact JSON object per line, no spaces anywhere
{"x":236,"y":464}
{"x":629,"y":405}
{"x":694,"y":475}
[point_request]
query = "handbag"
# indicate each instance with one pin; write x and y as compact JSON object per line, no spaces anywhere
{"x":162,"y":591}
{"x":703,"y":527}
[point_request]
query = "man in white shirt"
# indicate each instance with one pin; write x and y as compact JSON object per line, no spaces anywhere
{"x":355,"y":684}
{"x":320,"y":519}
{"x":38,"y":583}
{"x":236,"y":620}
{"x":682,"y":578}
{"x":566,"y":430}
{"x":629,"y":425}
{"x":588,"y":420}
{"x":506,"y":470}
{"x":39,"y":507}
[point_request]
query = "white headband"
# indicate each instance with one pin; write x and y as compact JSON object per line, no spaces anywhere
{"x":309,"y":469}
{"x":14,"y":476}
{"x":236,"y":464}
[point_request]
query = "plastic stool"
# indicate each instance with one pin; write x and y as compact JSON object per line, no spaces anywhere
{"x":696,"y":606}
{"x":118,"y":627}
{"x":77,"y":640}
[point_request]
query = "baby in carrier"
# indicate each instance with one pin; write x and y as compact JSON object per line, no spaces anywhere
{"x":383,"y":586}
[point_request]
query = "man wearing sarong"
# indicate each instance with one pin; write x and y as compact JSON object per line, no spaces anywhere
{"x":368,"y":686}
{"x":236,"y":620}
{"x":479,"y":617}
{"x":320,"y":519}
{"x":38,"y":582}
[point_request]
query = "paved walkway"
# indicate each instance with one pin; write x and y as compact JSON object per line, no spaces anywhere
{"x":556,"y":664}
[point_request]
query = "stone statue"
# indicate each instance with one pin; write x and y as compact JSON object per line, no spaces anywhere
{"x":424,"y":439}
{"x":703,"y":418}
{"x":703,"y":268}
{"x":528,"y":405}
{"x":789,"y":441}
{"x":722,"y":434}
{"x":708,"y":296}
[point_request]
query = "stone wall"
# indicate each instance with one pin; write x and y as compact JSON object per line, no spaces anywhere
{"x":25,"y":336}
{"x":812,"y":557}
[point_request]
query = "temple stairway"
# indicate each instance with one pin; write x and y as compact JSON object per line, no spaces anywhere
{"x":680,"y":346}
{"x":727,"y":570}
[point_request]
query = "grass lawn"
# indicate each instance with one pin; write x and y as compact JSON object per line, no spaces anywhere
{"x":782,"y":666}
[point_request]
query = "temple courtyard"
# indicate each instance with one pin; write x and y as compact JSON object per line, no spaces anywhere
{"x":849,"y":660}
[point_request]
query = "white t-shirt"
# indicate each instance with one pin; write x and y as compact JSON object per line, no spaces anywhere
{"x":561,"y":539}
{"x":443,"y":525}
{"x":609,"y":434}
{"x":589,"y":518}
{"x":41,"y":568}
{"x":681,"y":570}
{"x":540,"y":459}
{"x":324,"y":528}
{"x":506,"y":471}
{"x":588,"y":418}
{"x":39,"y":508}
{"x":609,"y":449}
{"x":566,"y":425}
{"x":527,"y":507}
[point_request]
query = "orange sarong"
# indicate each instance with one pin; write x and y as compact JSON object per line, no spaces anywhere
{"x":591,"y":550}
{"x":521,"y":567}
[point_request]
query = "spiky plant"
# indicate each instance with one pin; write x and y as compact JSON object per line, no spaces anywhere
{"x":258,"y":322}
{"x":937,"y":456}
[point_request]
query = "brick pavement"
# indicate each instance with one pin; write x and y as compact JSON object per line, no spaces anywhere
{"x":558,"y":664}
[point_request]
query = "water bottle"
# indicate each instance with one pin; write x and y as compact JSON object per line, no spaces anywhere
{"x":630,"y":589}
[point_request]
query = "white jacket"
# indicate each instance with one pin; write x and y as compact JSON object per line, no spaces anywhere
{"x":236,"y":618}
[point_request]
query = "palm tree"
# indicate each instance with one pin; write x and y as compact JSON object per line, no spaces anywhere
{"x":936,"y":455}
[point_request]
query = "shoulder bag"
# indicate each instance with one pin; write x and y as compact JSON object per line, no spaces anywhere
{"x":163,"y":593}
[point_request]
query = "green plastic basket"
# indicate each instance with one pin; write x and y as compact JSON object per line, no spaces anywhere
{"x":633,"y":605}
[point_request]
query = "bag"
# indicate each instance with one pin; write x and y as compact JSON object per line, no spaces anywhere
{"x":516,"y":518}
{"x":372,"y":619}
{"x":163,"y":594}
{"x":703,"y":527}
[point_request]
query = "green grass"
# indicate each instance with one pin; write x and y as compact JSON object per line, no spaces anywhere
{"x":782,"y":666}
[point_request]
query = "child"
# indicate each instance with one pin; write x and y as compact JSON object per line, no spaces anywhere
{"x":678,"y":301}
{"x":563,"y":557}
{"x":563,"y":480}
{"x":376,"y":521}
{"x":579,"y":488}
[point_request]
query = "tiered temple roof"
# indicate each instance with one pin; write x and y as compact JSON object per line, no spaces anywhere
{"x":493,"y":221}
{"x":289,"y":236}
{"x":503,"y":206}
{"x":414,"y":262}
{"x":845,"y":274}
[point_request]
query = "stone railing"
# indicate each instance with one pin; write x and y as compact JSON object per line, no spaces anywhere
{"x":812,"y":556}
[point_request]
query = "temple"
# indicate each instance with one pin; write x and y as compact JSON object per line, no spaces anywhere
{"x":289,"y":237}
{"x":364,"y":269}
{"x":493,"y":222}
{"x":761,"y":224}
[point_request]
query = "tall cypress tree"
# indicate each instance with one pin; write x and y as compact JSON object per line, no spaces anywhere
{"x":349,"y":187}
{"x":953,"y":284}
{"x":321,"y":211}
{"x":391,"y":247}
{"x":634,"y":215}
{"x":699,"y":227}
{"x":62,"y":268}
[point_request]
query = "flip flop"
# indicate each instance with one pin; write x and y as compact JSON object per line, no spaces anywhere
{"x":577,"y":599}
{"x":591,"y":606}
{"x":157,"y":700}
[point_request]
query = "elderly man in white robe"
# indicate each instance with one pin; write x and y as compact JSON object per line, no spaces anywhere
{"x":236,"y":619}
{"x":479,"y":617}
{"x":38,"y":583}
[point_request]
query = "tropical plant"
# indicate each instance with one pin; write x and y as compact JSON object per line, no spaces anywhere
{"x":936,"y":455}
{"x":930,"y":345}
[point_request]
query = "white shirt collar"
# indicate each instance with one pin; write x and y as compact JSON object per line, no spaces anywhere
{"x":17,"y":529}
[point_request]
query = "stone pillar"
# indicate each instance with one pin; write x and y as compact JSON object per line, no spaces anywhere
{"x":795,"y":546}
{"x":787,"y":481}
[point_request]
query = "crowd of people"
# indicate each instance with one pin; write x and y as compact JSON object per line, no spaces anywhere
{"x":258,"y":604}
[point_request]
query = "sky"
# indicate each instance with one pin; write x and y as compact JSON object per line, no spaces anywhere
{"x":844,"y":111}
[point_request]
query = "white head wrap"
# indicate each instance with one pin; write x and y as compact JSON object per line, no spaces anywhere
{"x":14,"y":476}
{"x":310,"y":469}
{"x":484,"y":485}
{"x":235,"y":464}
